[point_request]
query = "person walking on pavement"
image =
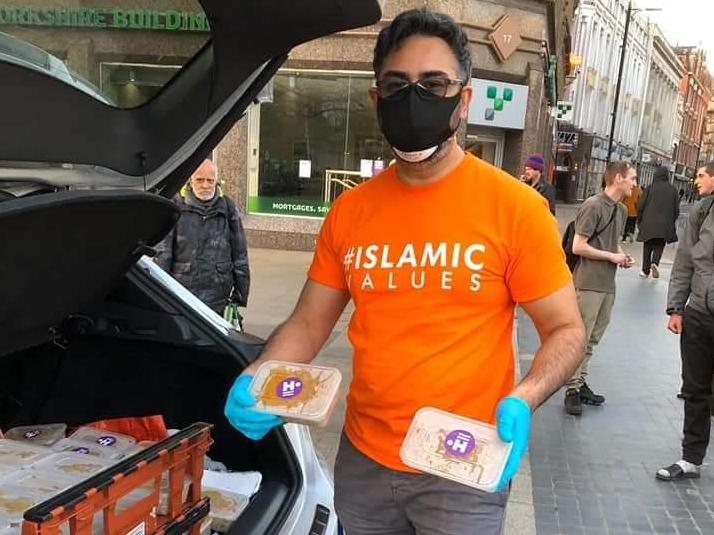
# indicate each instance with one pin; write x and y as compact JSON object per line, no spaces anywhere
{"x":533,"y":176}
{"x":598,"y":227}
{"x":690,"y":306}
{"x":206,"y":251}
{"x":631,"y":205}
{"x":657,"y":213}
{"x":434,"y":293}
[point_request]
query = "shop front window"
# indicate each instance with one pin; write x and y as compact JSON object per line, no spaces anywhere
{"x":317,"y":136}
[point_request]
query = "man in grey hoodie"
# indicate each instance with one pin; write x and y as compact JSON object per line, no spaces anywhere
{"x":690,"y":306}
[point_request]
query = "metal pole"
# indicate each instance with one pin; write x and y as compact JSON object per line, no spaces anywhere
{"x":619,"y":81}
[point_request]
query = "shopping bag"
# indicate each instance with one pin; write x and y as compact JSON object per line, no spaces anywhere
{"x":232,"y":316}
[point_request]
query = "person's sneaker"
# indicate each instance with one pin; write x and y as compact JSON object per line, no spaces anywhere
{"x":589,"y":397}
{"x":655,"y":271}
{"x":573,"y":405}
{"x":643,"y":275}
{"x":679,"y":470}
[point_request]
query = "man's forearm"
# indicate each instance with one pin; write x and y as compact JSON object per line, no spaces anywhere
{"x":588,"y":251}
{"x":554,"y":363}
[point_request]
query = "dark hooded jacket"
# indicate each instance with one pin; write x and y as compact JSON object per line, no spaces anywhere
{"x":206,"y":250}
{"x":658,"y":209}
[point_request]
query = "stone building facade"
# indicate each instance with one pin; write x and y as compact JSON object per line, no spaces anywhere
{"x":696,"y":89}
{"x":659,"y":119}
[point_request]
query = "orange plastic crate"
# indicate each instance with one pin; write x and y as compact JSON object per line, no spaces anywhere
{"x":180,"y":455}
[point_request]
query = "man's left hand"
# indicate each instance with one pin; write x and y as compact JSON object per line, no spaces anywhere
{"x":513,"y":422}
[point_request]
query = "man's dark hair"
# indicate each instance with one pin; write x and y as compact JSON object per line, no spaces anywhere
{"x":709,"y":168}
{"x":427,"y":23}
{"x":616,"y":168}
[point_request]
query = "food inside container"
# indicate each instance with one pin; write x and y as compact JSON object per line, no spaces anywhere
{"x":455,"y":448}
{"x":226,"y":507}
{"x":20,"y":454}
{"x":298,"y":392}
{"x":72,"y":465}
{"x":163,"y":507}
{"x":40,"y":435}
{"x":15,"y":501}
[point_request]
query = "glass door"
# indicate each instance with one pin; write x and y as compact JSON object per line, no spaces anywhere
{"x":488,"y":147}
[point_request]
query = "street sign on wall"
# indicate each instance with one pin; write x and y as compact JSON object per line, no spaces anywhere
{"x":498,"y":104}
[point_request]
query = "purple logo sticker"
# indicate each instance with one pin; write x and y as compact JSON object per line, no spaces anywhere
{"x":32,"y":433}
{"x":106,"y":441}
{"x":460,"y":443}
{"x":290,"y":387}
{"x":82,"y":450}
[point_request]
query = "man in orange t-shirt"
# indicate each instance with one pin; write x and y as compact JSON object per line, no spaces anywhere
{"x":435,"y":252}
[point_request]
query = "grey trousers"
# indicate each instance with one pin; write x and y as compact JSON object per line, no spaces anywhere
{"x":595,"y":310}
{"x":373,"y":500}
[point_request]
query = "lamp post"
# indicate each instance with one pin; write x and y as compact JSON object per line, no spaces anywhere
{"x":618,"y":87}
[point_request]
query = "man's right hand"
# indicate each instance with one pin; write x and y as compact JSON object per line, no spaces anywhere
{"x":619,"y":258}
{"x":675,"y":323}
{"x":253,"y":424}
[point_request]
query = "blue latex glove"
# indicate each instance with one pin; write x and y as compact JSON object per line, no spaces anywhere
{"x":513,"y":422}
{"x":253,"y":424}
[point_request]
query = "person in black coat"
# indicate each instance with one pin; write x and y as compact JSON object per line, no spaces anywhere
{"x":207,"y":251}
{"x":533,"y":175}
{"x":657,"y":213}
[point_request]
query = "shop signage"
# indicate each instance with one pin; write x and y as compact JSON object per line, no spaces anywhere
{"x":498,"y":104}
{"x":288,"y":206}
{"x":117,"y":18}
{"x":567,"y":141}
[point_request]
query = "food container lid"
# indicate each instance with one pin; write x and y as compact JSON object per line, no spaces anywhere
{"x":20,"y":454}
{"x":73,"y":465}
{"x":104,"y":439}
{"x":298,"y":392}
{"x":460,"y":449}
{"x":226,"y":506}
{"x":45,"y":483}
{"x":88,"y":448}
{"x":41,"y":435}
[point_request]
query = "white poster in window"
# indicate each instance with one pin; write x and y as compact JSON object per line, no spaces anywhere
{"x":305,"y":170}
{"x":378,"y":166}
{"x":366,"y":168}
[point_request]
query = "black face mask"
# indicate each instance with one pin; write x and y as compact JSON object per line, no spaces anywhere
{"x":414,"y":123}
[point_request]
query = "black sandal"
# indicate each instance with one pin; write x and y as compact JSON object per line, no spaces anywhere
{"x":675,"y":472}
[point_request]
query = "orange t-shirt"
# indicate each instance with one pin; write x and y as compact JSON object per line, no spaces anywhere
{"x":434,"y":273}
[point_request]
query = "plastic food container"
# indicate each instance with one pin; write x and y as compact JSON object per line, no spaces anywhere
{"x":298,"y":392}
{"x":114,"y":444}
{"x":15,"y":501}
{"x":226,"y":507}
{"x":40,"y":435}
{"x":455,"y":448}
{"x":47,"y":484}
{"x":20,"y":454}
{"x":87,"y":448}
{"x":164,"y":492}
{"x":72,"y":465}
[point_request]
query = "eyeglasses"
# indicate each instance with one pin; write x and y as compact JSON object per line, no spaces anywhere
{"x":433,"y":87}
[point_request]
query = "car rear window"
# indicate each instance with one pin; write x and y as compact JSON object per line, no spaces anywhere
{"x":122,"y":53}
